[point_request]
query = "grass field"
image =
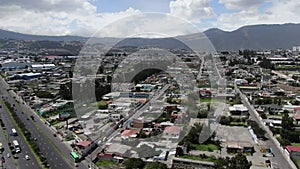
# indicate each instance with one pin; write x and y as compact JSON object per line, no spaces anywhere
{"x":295,"y":144}
{"x":205,"y":147}
{"x":104,"y":163}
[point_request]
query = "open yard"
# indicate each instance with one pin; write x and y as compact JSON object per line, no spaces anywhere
{"x":205,"y":147}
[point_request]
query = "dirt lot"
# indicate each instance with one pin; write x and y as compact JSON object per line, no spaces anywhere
{"x":289,"y":88}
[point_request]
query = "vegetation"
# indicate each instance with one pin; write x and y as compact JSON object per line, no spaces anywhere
{"x":134,"y":163}
{"x":237,"y":162}
{"x":105,"y":163}
{"x":201,"y":157}
{"x":260,"y":133}
{"x":191,"y":140}
{"x":156,"y":165}
{"x":44,"y":94}
{"x":101,"y":88}
{"x":102,"y":105}
{"x":266,"y":63}
{"x":205,"y":147}
{"x":288,"y":133}
{"x":230,"y":121}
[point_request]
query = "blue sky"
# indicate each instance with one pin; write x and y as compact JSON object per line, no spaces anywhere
{"x":85,"y":17}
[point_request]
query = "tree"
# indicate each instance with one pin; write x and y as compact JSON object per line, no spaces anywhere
{"x":156,"y":165}
{"x":134,"y":163}
{"x":239,"y":161}
{"x":287,"y":122}
{"x":179,"y":152}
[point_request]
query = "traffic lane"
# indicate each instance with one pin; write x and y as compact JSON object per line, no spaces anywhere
{"x":46,"y":130}
{"x":9,"y":163}
{"x":25,"y":150}
{"x":46,"y":148}
{"x":277,"y":152}
{"x":8,"y":121}
{"x":279,"y":159}
{"x":49,"y":133}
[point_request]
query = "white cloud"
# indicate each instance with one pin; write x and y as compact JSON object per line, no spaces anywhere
{"x":80,"y":17}
{"x":192,"y":10}
{"x":148,"y":25}
{"x":55,"y":17}
{"x":280,"y":11}
{"x":241,"y":4}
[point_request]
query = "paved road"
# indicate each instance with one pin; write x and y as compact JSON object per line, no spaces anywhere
{"x":281,"y":158}
{"x":9,"y":162}
{"x":57,"y":154}
{"x":21,"y":162}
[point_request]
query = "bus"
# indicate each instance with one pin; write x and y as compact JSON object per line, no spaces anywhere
{"x":74,"y":156}
{"x":14,"y":132}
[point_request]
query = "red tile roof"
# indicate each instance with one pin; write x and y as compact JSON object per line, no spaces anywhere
{"x":297,"y":116}
{"x":172,"y":129}
{"x":128,"y":133}
{"x":293,"y":148}
{"x":83,"y":143}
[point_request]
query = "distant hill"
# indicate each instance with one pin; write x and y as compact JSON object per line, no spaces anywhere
{"x":19,"y":36}
{"x":257,"y":37}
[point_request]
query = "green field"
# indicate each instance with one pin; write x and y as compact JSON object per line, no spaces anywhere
{"x":205,"y":147}
{"x":295,"y":144}
{"x":105,"y":163}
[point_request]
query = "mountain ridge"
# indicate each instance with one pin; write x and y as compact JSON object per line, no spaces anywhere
{"x":256,"y":37}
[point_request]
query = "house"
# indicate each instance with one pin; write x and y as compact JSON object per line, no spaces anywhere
{"x":239,"y":109}
{"x":129,"y":133}
{"x":171,"y":132}
{"x":297,"y":114}
{"x":141,"y":123}
{"x":293,"y":151}
{"x":86,"y":147}
{"x":239,"y":146}
{"x":117,"y":149}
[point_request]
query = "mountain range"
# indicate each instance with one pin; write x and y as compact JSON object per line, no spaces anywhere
{"x":256,"y":37}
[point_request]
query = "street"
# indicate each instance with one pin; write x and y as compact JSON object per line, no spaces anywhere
{"x":281,"y":158}
{"x":57,"y":154}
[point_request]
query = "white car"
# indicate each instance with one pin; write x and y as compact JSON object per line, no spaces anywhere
{"x":18,"y":150}
{"x":7,"y":155}
{"x":27,"y":157}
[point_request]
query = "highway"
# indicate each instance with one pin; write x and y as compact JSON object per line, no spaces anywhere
{"x":21,"y":162}
{"x":56,"y":152}
{"x":281,"y":158}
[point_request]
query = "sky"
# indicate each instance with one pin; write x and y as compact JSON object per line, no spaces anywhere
{"x":114,"y":18}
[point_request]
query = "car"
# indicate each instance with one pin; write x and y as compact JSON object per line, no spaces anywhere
{"x":54,"y":135}
{"x":18,"y":150}
{"x":2,"y":159}
{"x":27,"y":157}
{"x":268,"y":155}
{"x":7,"y":155}
{"x":16,"y":156}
